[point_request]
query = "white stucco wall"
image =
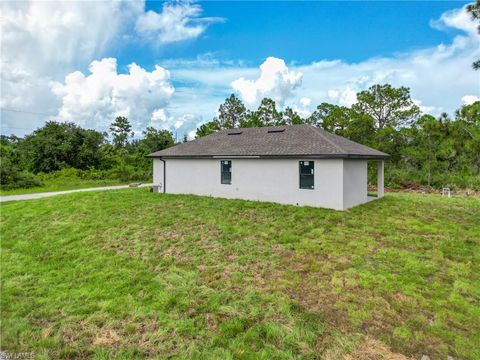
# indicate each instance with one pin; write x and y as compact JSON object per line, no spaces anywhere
{"x":274,"y":180}
{"x":158,"y":174}
{"x":354,"y":183}
{"x":339,"y":184}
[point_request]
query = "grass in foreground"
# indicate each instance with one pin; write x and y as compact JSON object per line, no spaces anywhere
{"x":132,"y":274}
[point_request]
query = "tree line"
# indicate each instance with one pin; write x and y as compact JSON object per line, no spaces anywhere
{"x":63,"y":149}
{"x":424,"y":149}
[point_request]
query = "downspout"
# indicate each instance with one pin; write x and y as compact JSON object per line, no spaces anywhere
{"x":164,"y":175}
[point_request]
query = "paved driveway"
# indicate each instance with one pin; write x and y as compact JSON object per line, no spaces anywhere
{"x":54,"y":193}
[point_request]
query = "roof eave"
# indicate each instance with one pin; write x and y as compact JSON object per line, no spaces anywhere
{"x":153,"y":155}
{"x":286,"y":156}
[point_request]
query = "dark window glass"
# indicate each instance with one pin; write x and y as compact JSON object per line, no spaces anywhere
{"x":307,"y":175}
{"x":226,"y":171}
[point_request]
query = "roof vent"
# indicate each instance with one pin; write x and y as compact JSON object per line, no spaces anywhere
{"x":273,"y":131}
{"x":234,"y":132}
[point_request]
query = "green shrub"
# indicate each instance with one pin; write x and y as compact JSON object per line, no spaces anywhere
{"x":122,"y":173}
{"x":399,"y":177}
{"x":26,"y":180}
{"x":128,"y":173}
{"x":11,"y":177}
{"x":64,"y":175}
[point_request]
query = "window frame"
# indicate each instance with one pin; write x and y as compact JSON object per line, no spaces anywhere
{"x":300,"y":174}
{"x":222,"y":181}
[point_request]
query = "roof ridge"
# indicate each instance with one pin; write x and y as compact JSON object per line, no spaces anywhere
{"x":263,"y":127}
{"x":320,"y":132}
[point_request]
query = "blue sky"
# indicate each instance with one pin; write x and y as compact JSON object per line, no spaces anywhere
{"x":170,"y":64}
{"x":303,"y":32}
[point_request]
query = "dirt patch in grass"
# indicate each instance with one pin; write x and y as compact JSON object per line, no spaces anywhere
{"x":372,"y":349}
{"x":106,"y":337}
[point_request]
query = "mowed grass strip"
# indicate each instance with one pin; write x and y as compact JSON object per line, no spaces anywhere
{"x":132,"y":274}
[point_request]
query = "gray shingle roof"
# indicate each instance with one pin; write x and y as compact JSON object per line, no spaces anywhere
{"x":279,"y":141}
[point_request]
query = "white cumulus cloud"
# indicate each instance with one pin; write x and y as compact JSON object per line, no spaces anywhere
{"x":457,"y":19}
{"x":438,"y":77}
{"x":176,"y":22}
{"x":276,"y":81}
{"x":346,"y":97}
{"x":95,"y":100}
{"x":179,"y":125}
{"x":470,"y":99}
{"x":44,"y":40}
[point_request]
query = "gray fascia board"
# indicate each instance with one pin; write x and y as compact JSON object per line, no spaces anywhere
{"x":287,"y":156}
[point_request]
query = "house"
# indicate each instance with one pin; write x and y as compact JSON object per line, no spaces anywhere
{"x":298,"y":164}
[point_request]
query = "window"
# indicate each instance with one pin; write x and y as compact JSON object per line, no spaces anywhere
{"x":307,"y":175}
{"x":226,"y":171}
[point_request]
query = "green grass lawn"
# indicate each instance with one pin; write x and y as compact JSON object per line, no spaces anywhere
{"x":77,"y":184}
{"x":133,"y":274}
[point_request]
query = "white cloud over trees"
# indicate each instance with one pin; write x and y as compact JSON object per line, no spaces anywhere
{"x":102,"y":95}
{"x":276,"y":81}
{"x":44,"y":43}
